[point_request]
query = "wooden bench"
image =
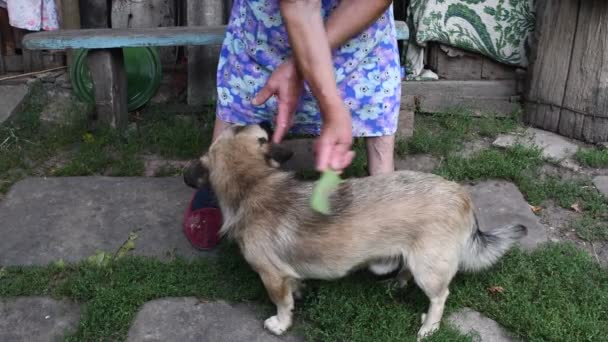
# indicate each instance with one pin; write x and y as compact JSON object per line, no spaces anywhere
{"x":105,"y":59}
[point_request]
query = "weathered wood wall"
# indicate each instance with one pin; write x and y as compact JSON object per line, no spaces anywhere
{"x":146,"y":14}
{"x":202,"y":60}
{"x":567,"y":89}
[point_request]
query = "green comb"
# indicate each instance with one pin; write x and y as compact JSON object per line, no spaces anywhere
{"x":328,"y":182}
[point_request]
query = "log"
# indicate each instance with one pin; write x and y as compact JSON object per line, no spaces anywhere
{"x":109,"y":86}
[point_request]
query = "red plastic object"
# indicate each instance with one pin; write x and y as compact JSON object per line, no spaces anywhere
{"x":202,"y":226}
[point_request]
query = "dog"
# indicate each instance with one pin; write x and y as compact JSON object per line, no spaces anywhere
{"x":417,"y":224}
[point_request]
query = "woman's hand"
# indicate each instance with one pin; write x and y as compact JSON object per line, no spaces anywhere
{"x":333,"y":147}
{"x":287,"y":85}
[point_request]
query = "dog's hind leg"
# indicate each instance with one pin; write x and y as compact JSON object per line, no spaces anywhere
{"x":281,"y":293}
{"x":433,"y":275}
{"x":297,"y":288}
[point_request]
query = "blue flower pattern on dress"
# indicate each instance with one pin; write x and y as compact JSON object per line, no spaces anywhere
{"x":366,"y":68}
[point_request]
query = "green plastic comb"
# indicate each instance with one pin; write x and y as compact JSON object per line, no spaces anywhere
{"x":328,"y":182}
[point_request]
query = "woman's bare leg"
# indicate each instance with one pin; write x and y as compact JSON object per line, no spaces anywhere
{"x":380,"y":154}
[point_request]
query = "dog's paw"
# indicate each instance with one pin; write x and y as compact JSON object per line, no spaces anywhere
{"x":276,"y":326}
{"x":427,"y":330}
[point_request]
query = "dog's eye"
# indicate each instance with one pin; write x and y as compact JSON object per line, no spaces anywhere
{"x":262,"y":141}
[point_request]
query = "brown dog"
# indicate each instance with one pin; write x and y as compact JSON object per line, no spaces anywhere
{"x":420,"y":223}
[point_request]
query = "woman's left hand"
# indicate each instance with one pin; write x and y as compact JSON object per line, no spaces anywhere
{"x":287,"y":85}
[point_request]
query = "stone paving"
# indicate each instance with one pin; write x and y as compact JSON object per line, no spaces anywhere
{"x":554,"y":147}
{"x":47,"y":219}
{"x":11,"y":99}
{"x":37,"y":319}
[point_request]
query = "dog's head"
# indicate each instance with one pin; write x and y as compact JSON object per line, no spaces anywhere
{"x":239,"y":151}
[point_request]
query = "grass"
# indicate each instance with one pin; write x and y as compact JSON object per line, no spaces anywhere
{"x":556,"y":293}
{"x":445,"y":133}
{"x":592,"y":157}
{"x":28,"y":147}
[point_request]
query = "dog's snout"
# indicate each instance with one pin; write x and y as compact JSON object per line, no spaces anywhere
{"x":195,"y":175}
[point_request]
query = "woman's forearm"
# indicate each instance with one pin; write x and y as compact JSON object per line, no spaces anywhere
{"x":351,"y":17}
{"x":311,"y":50}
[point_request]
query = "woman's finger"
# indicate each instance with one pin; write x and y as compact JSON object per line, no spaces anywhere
{"x":282,"y":122}
{"x":263,"y":95}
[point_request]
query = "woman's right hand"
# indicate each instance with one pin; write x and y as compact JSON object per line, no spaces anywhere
{"x":287,"y":85}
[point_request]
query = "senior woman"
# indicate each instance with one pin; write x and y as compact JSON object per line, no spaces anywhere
{"x":324,"y":67}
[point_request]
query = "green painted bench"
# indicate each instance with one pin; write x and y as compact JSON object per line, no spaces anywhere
{"x":105,"y":59}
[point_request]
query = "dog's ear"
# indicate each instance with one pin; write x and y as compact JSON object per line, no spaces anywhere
{"x":196,"y":174}
{"x":278,"y":153}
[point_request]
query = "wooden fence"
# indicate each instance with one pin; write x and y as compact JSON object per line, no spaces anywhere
{"x":567,"y":90}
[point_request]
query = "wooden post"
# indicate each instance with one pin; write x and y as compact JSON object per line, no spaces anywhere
{"x":70,"y":19}
{"x":202,"y":60}
{"x":109,"y":86}
{"x":107,"y":69}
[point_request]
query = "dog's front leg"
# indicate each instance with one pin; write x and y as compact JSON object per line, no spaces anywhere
{"x":280,"y":291}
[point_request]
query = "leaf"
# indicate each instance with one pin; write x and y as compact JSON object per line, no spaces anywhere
{"x":536,"y":208}
{"x":88,"y":138}
{"x":496,"y":289}
{"x":576,"y":207}
{"x":60,"y":263}
{"x":100,"y":259}
{"x":127,"y":246}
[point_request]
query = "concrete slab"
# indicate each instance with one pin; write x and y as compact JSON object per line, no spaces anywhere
{"x":483,"y":328}
{"x":190,"y":319}
{"x":554,"y":147}
{"x":11,"y":97}
{"x":37,"y":319}
{"x":45,"y":219}
{"x":63,"y":108}
{"x":601,"y":183}
{"x":499,"y":203}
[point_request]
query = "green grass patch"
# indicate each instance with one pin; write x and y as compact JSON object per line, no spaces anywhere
{"x":521,"y":166}
{"x":26,"y":144}
{"x":442,"y":133}
{"x":557,"y":293}
{"x":592,"y":157}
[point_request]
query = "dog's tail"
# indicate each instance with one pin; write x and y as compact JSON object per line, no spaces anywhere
{"x":483,"y":249}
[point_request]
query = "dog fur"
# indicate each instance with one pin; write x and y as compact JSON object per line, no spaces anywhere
{"x":419,"y":225}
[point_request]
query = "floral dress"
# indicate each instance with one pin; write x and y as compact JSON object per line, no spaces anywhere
{"x":366,"y":68}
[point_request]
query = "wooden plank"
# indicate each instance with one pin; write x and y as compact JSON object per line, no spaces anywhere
{"x":463,"y":66}
{"x":499,"y":97}
{"x":146,"y":14}
{"x":585,"y":112}
{"x":202,"y":60}
{"x":109,"y":86}
{"x":94,"y":13}
{"x":550,"y":61}
{"x":111,"y":38}
{"x":492,"y":70}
